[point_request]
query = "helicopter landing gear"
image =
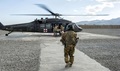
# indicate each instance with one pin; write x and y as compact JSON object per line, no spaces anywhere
{"x":8,"y":33}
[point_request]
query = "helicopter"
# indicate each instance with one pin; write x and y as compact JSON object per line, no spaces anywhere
{"x":43,"y":25}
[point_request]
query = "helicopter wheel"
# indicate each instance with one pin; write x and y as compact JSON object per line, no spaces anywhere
{"x":6,"y":34}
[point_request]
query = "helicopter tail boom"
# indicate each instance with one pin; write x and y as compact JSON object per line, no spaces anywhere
{"x":1,"y":26}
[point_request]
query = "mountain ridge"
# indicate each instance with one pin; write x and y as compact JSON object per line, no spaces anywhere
{"x":114,"y":21}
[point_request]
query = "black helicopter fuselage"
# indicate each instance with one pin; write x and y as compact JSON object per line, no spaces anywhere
{"x":42,"y":25}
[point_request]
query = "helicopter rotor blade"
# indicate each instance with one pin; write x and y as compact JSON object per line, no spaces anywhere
{"x":45,"y":8}
{"x":60,"y":15}
{"x":32,"y":14}
{"x":57,"y":14}
{"x":84,"y":15}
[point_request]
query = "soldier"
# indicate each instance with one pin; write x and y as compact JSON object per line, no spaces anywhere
{"x":55,"y":30}
{"x":62,"y":29}
{"x":69,"y":40}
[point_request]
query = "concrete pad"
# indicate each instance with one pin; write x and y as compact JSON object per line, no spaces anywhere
{"x":52,"y":58}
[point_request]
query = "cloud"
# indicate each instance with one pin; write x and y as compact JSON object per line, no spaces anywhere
{"x":103,"y":4}
{"x":93,"y":9}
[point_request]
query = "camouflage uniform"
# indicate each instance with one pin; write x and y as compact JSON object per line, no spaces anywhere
{"x":55,"y":30}
{"x":61,"y":30}
{"x":69,"y":41}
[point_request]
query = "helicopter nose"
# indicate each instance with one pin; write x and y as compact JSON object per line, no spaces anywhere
{"x":77,"y":28}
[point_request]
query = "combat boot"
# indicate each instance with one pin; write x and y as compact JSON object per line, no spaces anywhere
{"x":67,"y":65}
{"x":70,"y":65}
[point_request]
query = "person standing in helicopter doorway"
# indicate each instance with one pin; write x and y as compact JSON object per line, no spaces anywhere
{"x":69,"y":40}
{"x":55,"y":30}
{"x":61,"y":29}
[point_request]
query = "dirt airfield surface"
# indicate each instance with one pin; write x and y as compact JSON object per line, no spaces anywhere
{"x":105,"y":51}
{"x":17,"y":52}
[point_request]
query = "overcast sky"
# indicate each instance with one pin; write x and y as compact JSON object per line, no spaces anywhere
{"x":8,"y":7}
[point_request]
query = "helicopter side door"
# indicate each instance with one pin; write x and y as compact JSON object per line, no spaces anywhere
{"x":46,"y":27}
{"x":42,"y":27}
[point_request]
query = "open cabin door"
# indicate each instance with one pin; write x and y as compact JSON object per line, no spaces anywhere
{"x":46,"y":27}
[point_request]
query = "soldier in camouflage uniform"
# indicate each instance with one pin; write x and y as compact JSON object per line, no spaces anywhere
{"x":55,"y":30}
{"x":69,"y":40}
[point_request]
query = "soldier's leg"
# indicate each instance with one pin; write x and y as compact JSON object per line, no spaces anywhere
{"x":55,"y":33}
{"x":66,"y":55}
{"x":71,"y":55}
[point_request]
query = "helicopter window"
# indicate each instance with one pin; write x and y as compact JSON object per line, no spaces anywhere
{"x":48,"y":25}
{"x":66,"y":28}
{"x":68,"y":25}
{"x":76,"y":26}
{"x":42,"y":25}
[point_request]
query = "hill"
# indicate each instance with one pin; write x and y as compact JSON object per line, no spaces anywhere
{"x":115,"y":21}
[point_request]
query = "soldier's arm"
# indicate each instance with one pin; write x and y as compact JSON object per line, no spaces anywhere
{"x":75,"y":35}
{"x":63,"y":38}
{"x":76,"y":38}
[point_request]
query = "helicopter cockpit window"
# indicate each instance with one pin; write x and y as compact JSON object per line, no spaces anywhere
{"x":68,"y":25}
{"x":77,"y":28}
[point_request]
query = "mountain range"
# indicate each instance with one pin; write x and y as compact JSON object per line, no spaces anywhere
{"x":115,"y":21}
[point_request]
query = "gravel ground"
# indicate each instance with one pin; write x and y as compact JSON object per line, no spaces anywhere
{"x":105,"y":51}
{"x":19,"y":55}
{"x":3,"y":32}
{"x":114,"y":32}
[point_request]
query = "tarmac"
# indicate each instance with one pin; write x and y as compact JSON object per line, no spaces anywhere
{"x":52,"y":58}
{"x":52,"y":53}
